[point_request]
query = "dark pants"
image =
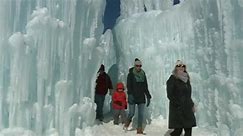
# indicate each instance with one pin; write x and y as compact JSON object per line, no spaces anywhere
{"x":117,"y":114}
{"x":178,"y":131}
{"x":99,"y":100}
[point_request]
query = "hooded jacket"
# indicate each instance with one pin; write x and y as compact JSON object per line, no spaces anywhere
{"x":119,"y":97}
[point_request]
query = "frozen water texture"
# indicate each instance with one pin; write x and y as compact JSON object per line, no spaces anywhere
{"x":50,"y":52}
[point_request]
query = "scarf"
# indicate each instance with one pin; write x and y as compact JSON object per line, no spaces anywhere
{"x":139,"y":76}
{"x":182,"y":76}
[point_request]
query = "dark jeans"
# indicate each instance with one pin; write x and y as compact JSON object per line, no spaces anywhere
{"x":99,"y":100}
{"x":140,"y":113}
{"x":117,"y":114}
{"x":178,"y":131}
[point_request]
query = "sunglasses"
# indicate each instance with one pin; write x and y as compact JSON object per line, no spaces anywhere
{"x":138,"y":65}
{"x":181,"y":65}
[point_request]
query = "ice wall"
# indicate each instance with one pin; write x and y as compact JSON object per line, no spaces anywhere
{"x":207,"y":36}
{"x":50,"y":52}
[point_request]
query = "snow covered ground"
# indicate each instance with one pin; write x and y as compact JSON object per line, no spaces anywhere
{"x":158,"y":127}
{"x":50,"y":52}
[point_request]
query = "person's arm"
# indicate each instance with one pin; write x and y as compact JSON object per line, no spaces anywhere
{"x":114,"y":97}
{"x":129,"y":83}
{"x":190,"y":95}
{"x":125,"y":97}
{"x":125,"y":100}
{"x":109,"y":83}
{"x":110,"y":87}
{"x":191,"y":101}
{"x":148,"y":96}
{"x":146,"y":89}
{"x":170,"y":87}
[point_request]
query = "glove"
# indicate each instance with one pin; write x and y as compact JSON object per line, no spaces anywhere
{"x":148,"y":102}
{"x":118,"y":103}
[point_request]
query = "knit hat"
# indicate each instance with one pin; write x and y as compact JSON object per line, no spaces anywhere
{"x":137,"y":62}
{"x":179,"y":62}
{"x":120,"y":85}
{"x":102,"y":67}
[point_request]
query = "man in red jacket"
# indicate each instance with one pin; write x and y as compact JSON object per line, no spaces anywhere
{"x":119,"y":103}
{"x":103,"y":83}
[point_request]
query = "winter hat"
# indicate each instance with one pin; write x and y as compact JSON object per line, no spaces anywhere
{"x":137,"y":62}
{"x":102,"y":67}
{"x":120,"y":85}
{"x":179,"y":62}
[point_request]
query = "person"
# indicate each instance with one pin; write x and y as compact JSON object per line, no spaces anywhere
{"x":137,"y":89}
{"x":181,"y":106}
{"x":103,"y":83}
{"x":119,"y":103}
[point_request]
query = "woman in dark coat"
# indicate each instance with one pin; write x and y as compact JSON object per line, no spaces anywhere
{"x":138,"y":94}
{"x":181,"y":107}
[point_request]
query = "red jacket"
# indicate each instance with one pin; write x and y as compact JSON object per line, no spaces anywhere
{"x":119,"y":97}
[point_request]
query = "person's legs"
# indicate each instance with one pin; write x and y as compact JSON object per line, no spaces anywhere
{"x":140,"y":118}
{"x":123,"y":115}
{"x":131,"y":111}
{"x":99,"y":100}
{"x":116,"y":114}
{"x":188,"y":131}
{"x":101,"y":107}
{"x":176,"y":132}
{"x":130,"y":115}
{"x":140,"y":115}
{"x":96,"y":100}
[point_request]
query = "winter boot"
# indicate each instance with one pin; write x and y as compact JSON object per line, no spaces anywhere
{"x":139,"y":131}
{"x":127,"y":125}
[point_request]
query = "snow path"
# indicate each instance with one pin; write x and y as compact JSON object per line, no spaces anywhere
{"x":158,"y":127}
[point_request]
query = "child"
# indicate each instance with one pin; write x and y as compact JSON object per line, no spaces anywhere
{"x":119,"y":103}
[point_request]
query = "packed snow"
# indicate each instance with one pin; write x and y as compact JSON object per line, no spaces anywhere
{"x":50,"y":52}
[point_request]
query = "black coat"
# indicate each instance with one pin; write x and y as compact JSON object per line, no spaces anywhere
{"x":181,"y":104}
{"x":137,"y":90}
